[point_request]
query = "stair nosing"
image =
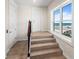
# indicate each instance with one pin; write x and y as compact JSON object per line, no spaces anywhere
{"x":42,"y":39}
{"x":39,"y":37}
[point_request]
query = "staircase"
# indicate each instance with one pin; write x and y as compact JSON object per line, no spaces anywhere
{"x":44,"y":46}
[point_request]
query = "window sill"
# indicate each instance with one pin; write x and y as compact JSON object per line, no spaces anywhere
{"x":63,"y":38}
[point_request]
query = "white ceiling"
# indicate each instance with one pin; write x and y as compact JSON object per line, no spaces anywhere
{"x":31,"y":2}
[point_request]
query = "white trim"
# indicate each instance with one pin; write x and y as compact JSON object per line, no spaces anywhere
{"x":7,"y":51}
{"x":63,"y":38}
{"x":62,"y":5}
{"x":61,"y":20}
{"x":54,"y":21}
{"x":73,"y":22}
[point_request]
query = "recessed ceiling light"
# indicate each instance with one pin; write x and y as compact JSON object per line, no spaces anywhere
{"x":34,"y":1}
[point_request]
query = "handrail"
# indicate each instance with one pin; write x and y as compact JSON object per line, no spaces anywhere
{"x":29,"y":37}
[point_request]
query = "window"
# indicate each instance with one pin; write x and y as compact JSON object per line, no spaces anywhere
{"x":63,"y":20}
{"x":57,"y":20}
{"x":67,"y":20}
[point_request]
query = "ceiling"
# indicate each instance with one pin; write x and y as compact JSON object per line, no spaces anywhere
{"x":36,"y":3}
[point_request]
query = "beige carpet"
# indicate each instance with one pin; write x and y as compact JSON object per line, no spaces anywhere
{"x":44,"y":46}
{"x":18,"y":51}
{"x":45,"y":34}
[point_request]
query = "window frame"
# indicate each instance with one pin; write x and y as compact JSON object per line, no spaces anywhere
{"x":54,"y":20}
{"x":61,"y":21}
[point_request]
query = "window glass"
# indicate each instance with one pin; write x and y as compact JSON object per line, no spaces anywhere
{"x":67,"y":20}
{"x":57,"y":20}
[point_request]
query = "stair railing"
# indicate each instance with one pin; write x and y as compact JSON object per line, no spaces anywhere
{"x":29,"y":37}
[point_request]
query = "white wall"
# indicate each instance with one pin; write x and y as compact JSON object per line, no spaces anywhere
{"x":11,"y":22}
{"x":65,"y":44}
{"x":17,"y":21}
{"x":38,"y":16}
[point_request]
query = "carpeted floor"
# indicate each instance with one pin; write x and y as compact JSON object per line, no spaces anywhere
{"x":18,"y":51}
{"x":42,"y":43}
{"x":44,"y":46}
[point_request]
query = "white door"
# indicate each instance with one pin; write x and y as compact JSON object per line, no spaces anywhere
{"x":10,"y":25}
{"x":35,"y":19}
{"x":12,"y":22}
{"x":6,"y":26}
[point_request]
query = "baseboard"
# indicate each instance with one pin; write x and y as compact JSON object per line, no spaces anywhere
{"x":22,"y":39}
{"x":9,"y":48}
{"x":65,"y":46}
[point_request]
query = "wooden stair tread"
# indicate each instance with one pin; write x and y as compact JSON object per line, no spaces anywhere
{"x":58,"y":57}
{"x":43,"y":39}
{"x":44,"y":44}
{"x":47,"y":51}
{"x":40,"y":33}
{"x":45,"y":57}
{"x":37,"y":35}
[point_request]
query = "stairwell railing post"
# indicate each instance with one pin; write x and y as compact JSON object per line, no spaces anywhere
{"x":29,"y":37}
